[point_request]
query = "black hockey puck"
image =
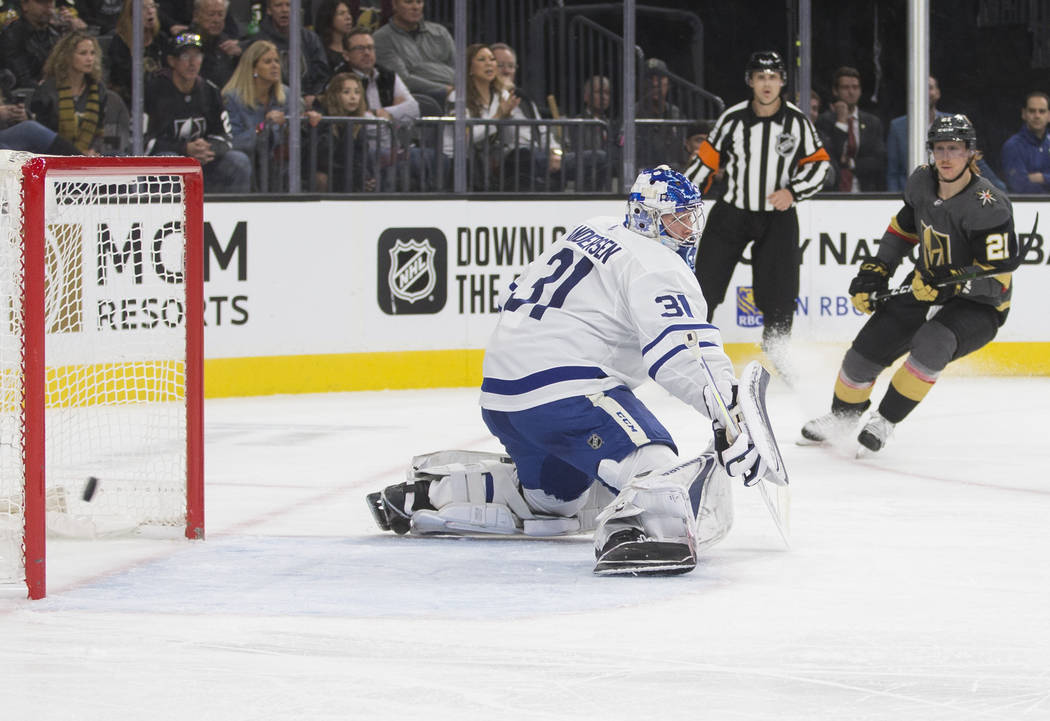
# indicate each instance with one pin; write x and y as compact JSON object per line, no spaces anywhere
{"x":90,"y":487}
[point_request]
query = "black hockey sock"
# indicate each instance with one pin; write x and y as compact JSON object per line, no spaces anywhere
{"x":895,"y":405}
{"x":841,"y":408}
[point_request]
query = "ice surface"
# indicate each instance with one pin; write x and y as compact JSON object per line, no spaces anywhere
{"x":917,"y":588}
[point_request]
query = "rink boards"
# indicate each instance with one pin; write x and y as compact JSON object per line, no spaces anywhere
{"x":330,"y":295}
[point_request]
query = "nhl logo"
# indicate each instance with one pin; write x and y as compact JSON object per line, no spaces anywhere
{"x":786,"y":144}
{"x":595,"y":441}
{"x":412,"y":275}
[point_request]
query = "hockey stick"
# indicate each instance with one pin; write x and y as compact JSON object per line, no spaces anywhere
{"x":965,"y":278}
{"x":732,"y":431}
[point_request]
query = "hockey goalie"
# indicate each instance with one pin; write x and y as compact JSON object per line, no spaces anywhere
{"x":605,"y":308}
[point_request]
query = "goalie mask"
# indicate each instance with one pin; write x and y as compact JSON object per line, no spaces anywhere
{"x":665,"y":206}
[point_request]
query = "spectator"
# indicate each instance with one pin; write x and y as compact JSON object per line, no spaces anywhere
{"x":386,"y":94}
{"x":221,"y":50}
{"x":66,"y":19}
{"x":258,"y":105}
{"x":486,"y":98}
{"x":177,"y":16}
{"x":101,"y":14}
{"x":344,"y":97}
{"x":856,"y":142}
{"x":657,"y":144}
{"x":332,"y":24}
{"x":815,"y":104}
{"x":314,"y":66}
{"x":28,"y":41}
{"x":421,"y":52}
{"x":597,"y":100}
{"x":154,"y":48}
{"x":185,"y":116}
{"x":72,"y":99}
{"x":695,"y":135}
{"x":544,"y":148}
{"x":897,"y":153}
{"x":18,"y":133}
{"x":1026,"y":153}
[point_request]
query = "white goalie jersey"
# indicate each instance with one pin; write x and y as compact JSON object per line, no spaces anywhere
{"x":602,"y":307}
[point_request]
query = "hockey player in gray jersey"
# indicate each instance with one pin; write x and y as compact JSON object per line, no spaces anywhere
{"x":607,"y":307}
{"x":961,"y":286}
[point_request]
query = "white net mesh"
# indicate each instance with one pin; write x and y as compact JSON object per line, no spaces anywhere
{"x":114,"y":354}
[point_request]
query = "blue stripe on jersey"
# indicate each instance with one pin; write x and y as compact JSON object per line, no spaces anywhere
{"x":490,"y":492}
{"x":538,"y":380}
{"x":672,"y":329}
{"x":655,"y":367}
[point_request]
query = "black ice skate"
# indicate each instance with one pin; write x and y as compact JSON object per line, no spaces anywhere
{"x":630,"y":553}
{"x":392,"y":508}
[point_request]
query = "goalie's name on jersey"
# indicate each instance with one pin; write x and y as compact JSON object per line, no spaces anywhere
{"x":593,"y":243}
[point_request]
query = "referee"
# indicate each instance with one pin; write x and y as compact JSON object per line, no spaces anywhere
{"x":770,"y":157}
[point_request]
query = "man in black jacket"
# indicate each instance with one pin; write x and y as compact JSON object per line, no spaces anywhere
{"x":28,"y":41}
{"x":221,"y":51}
{"x":276,"y":27}
{"x":186,"y":117}
{"x":856,"y":143}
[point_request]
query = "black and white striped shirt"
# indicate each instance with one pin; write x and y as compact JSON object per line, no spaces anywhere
{"x":761,"y":155}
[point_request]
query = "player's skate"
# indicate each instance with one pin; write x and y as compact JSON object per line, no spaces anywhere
{"x":646,"y":531}
{"x":876,"y":432}
{"x":392,"y":508}
{"x":828,"y":428}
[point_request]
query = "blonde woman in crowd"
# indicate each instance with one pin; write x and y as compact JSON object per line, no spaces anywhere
{"x":72,"y":99}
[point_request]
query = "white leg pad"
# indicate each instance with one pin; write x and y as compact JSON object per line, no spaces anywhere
{"x":482,"y":518}
{"x":477,"y":493}
{"x":655,"y":500}
{"x":661,"y":514}
{"x":714,"y":518}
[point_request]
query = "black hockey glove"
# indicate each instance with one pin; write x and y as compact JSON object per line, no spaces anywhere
{"x":927,"y":287}
{"x":873,"y":277}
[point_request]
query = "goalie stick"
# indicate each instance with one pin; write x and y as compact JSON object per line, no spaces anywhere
{"x":965,"y":278}
{"x":754,"y":380}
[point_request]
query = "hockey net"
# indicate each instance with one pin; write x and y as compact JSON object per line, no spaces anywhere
{"x":100,"y":351}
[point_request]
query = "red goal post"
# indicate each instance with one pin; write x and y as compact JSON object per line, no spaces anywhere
{"x":101,"y":351}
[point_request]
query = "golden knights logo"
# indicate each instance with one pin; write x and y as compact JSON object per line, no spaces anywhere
{"x":747,"y":313}
{"x":936,"y":247}
{"x":412,"y":270}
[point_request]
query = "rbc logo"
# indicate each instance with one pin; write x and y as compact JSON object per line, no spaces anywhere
{"x":747,"y":313}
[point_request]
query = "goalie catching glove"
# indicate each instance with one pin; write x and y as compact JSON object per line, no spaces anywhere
{"x":733,"y":445}
{"x":873,"y":277}
{"x":928,"y":287}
